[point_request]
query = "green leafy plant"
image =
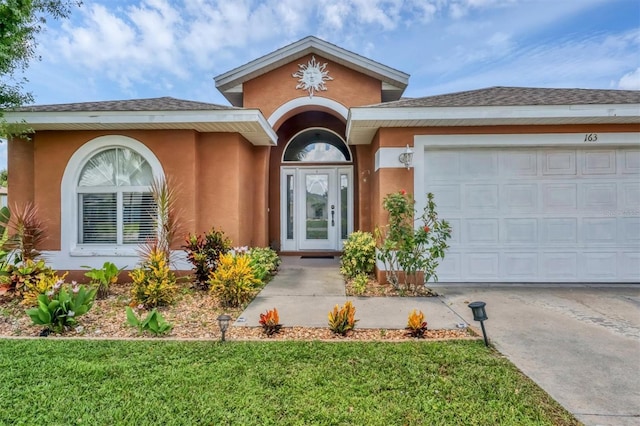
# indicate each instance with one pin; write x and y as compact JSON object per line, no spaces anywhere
{"x":154,"y":284}
{"x":342,"y":319}
{"x":103,"y":277}
{"x":264,"y":261}
{"x":153,"y":323}
{"x":270,"y":322}
{"x":359,"y":284}
{"x":61,"y":306}
{"x":416,"y":325}
{"x":28,"y":279}
{"x":359,"y":254}
{"x":203,"y":253}
{"x":409,"y":247}
{"x":234,"y":281}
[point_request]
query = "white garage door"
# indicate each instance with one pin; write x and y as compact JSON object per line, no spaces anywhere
{"x":538,"y":214}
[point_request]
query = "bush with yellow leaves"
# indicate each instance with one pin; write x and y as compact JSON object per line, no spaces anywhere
{"x":154,"y":283}
{"x":234,"y":281}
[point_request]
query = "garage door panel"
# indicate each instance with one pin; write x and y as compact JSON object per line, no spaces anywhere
{"x":629,"y":230}
{"x":599,"y":265}
{"x":481,"y":198}
{"x":451,"y":267}
{"x":520,"y":266}
{"x":559,"y":197}
{"x":523,"y":163}
{"x":629,"y":265}
{"x":559,"y":265}
{"x":447,"y":197}
{"x":630,"y":161}
{"x":599,"y":162}
{"x":520,"y":197}
{"x":479,"y":231}
{"x":630,"y":198}
{"x":599,"y":196}
{"x":597,"y":231}
{"x":479,"y":164}
{"x":520,"y":231}
{"x":559,"y":231}
{"x":558,"y":162}
{"x":483,"y":265}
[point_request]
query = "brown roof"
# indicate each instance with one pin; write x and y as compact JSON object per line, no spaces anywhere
{"x":519,"y":96}
{"x":150,"y":104}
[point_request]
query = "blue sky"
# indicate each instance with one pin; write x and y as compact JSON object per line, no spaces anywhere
{"x":123,"y":49}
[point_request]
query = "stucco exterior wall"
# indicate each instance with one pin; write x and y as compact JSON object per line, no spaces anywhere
{"x":348,"y":87}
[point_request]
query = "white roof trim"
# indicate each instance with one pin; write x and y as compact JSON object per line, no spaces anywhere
{"x":364,"y":122}
{"x":395,"y":81}
{"x":306,"y":101}
{"x":250,"y":123}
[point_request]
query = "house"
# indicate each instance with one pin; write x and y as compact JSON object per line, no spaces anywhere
{"x":540,"y":185}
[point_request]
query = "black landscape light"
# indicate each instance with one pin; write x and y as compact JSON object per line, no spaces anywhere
{"x":479,"y":314}
{"x":223,"y":323}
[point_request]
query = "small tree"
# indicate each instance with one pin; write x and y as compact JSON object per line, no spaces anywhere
{"x":408,"y":245}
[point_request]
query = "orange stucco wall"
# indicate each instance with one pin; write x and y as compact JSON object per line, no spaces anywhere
{"x":219,"y":177}
{"x":348,"y":87}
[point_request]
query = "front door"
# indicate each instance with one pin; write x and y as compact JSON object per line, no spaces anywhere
{"x":316,"y":208}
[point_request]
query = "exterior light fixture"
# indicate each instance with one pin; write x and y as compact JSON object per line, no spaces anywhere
{"x":223,"y":323}
{"x":479,"y":314}
{"x":406,"y":157}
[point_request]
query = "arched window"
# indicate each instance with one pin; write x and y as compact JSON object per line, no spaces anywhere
{"x":317,"y":146}
{"x":115,"y":205}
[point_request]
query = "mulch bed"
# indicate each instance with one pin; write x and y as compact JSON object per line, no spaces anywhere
{"x":194,"y":317}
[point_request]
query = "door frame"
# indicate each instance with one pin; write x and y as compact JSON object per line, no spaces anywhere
{"x":296,"y":175}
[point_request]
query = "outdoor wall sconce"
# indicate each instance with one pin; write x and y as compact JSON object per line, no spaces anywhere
{"x":479,"y":314}
{"x":223,"y":323}
{"x":406,"y":157}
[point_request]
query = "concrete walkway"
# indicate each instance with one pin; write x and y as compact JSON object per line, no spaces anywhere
{"x":305,"y":290}
{"x":581,"y":344}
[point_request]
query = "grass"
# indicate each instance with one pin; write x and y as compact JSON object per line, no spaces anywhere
{"x":56,"y":382}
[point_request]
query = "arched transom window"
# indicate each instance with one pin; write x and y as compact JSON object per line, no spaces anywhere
{"x":114,"y":199}
{"x":317,"y":146}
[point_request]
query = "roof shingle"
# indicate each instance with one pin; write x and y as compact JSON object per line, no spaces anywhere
{"x":519,"y":96}
{"x":150,"y":104}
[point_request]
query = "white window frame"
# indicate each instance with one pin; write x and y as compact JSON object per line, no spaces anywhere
{"x":69,"y":195}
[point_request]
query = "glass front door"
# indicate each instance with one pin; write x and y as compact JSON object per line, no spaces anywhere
{"x":316,"y":208}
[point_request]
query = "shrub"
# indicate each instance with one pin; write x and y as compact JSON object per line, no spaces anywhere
{"x":203,"y":252}
{"x":359,"y":254}
{"x":103,"y":278}
{"x":411,"y":246}
{"x":154,"y":284}
{"x":43,"y":282}
{"x":27,"y":232}
{"x":28,"y":279}
{"x":264,"y":261}
{"x":234,"y":281}
{"x":60,"y":307}
{"x":153,"y":323}
{"x":270,"y":322}
{"x":359,"y":284}
{"x":342,"y":320}
{"x":416,"y":325}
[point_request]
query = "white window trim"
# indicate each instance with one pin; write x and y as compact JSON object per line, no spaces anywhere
{"x":69,"y":200}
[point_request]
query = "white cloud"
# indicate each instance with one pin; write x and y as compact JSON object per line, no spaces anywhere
{"x":630,"y":81}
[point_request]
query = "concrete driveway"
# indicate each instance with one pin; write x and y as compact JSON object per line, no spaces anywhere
{"x":580,"y":344}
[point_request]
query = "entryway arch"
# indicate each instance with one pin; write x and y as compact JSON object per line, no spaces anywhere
{"x":316,"y":191}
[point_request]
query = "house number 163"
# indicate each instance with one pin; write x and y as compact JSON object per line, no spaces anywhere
{"x":590,"y":137}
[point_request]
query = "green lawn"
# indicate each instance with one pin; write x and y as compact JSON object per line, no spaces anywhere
{"x":64,"y":382}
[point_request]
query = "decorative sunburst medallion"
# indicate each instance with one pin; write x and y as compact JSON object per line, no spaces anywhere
{"x":311,"y":76}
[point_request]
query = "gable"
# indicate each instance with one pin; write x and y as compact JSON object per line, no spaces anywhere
{"x":231,"y":84}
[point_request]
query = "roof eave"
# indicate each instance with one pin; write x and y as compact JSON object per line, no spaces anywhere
{"x":364,"y":122}
{"x":250,"y":123}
